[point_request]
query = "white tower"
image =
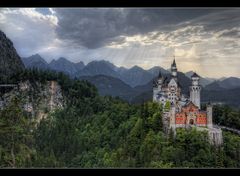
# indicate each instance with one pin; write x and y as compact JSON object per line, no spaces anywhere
{"x":172,"y":116}
{"x":172,"y":120}
{"x":195,"y":90}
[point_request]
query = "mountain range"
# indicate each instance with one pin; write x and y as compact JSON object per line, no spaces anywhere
{"x":133,"y":76}
{"x":227,"y":83}
{"x":134,"y":84}
{"x":60,"y":65}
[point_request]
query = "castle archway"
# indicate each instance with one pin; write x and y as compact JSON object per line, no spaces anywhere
{"x":191,"y":122}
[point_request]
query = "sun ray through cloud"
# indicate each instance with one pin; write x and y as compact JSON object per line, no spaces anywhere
{"x":206,"y":39}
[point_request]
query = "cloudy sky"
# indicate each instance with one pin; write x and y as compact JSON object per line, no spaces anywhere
{"x":205,"y":40}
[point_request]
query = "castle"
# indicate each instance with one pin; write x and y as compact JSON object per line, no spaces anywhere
{"x":184,"y":111}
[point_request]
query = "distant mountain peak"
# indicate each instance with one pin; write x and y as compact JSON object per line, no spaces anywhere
{"x":35,"y":55}
{"x":222,"y":78}
{"x":135,"y":67}
{"x":60,"y":60}
{"x":80,"y":62}
{"x":227,"y":83}
{"x":233,"y":78}
{"x":63,"y":59}
{"x":36,"y":58}
{"x":101,"y":61}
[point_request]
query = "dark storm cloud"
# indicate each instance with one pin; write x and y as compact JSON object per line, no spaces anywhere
{"x":95,"y":28}
{"x":89,"y":27}
{"x":220,"y":20}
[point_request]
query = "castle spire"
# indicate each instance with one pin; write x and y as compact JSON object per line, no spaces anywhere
{"x":174,"y":68}
{"x":174,"y":62}
{"x":195,"y":75}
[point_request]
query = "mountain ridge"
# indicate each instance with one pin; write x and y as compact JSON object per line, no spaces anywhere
{"x":10,"y":61}
{"x":227,"y":83}
{"x":136,"y":77}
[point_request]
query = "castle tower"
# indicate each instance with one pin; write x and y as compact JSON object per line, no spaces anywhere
{"x":174,"y":69}
{"x":172,"y":114}
{"x":160,"y":80}
{"x":209,"y":115}
{"x":195,"y":89}
{"x":158,"y":86}
{"x":155,"y":91}
{"x":172,"y":120}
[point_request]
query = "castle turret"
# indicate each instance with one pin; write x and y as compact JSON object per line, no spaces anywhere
{"x":174,"y":69}
{"x":209,"y":115}
{"x":155,"y":90}
{"x":160,"y":80}
{"x":195,"y":89}
{"x":157,"y":86}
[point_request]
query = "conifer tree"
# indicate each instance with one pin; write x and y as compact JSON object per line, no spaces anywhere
{"x":16,"y":137}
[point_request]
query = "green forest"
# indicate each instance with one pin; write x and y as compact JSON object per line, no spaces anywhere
{"x":93,"y":131}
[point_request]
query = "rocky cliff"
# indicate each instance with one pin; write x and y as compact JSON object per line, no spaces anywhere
{"x":10,"y":62}
{"x":37,"y":99}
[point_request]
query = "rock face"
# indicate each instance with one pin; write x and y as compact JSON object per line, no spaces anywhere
{"x":36,"y":99}
{"x":10,"y":62}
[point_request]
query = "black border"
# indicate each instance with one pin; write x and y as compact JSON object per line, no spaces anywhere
{"x":119,"y":3}
{"x":122,"y":172}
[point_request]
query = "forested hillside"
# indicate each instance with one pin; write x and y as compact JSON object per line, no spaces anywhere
{"x":95,"y":131}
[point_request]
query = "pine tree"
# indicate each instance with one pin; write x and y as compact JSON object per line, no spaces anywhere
{"x":171,"y":137}
{"x":16,"y":138}
{"x":219,"y":157}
